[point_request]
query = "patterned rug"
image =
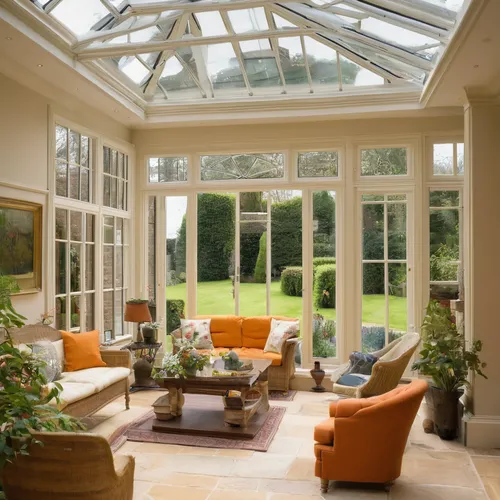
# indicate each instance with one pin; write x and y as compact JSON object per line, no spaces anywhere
{"x":140,"y":431}
{"x":273,"y":395}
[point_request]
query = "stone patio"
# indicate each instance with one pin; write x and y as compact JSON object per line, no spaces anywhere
{"x":432,"y":469}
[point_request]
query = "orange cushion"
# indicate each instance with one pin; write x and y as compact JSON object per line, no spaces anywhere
{"x":81,"y":350}
{"x":225,"y":330}
{"x":323,"y":432}
{"x":255,"y":330}
{"x":254,"y":353}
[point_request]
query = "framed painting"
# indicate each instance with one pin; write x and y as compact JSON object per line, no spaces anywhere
{"x":21,"y":243}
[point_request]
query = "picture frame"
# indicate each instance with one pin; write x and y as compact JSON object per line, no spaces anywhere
{"x":21,"y":243}
{"x":107,"y":336}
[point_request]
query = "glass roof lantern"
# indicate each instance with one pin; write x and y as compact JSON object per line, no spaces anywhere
{"x":180,"y":50}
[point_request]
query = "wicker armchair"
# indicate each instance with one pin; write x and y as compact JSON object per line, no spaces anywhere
{"x":386,"y":372}
{"x":69,"y":466}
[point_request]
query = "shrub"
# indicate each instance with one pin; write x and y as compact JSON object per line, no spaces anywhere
{"x":373,"y":337}
{"x":259,"y":274}
{"x":324,"y":286}
{"x":324,"y":340}
{"x":443,"y":263}
{"x":321,"y":249}
{"x":216,"y":218}
{"x":320,"y":261}
{"x":286,"y":233}
{"x":175,"y":311}
{"x":249,"y":253}
{"x":180,"y":248}
{"x":291,"y":281}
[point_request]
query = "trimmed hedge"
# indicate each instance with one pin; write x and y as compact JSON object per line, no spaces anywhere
{"x":259,"y":274}
{"x":286,"y":233}
{"x":175,"y":311}
{"x":291,"y":281}
{"x":321,"y":261}
{"x":180,"y":248}
{"x":323,"y":249}
{"x":324,"y":286}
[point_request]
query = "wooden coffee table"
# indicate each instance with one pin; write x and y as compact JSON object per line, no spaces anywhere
{"x":237,"y":411}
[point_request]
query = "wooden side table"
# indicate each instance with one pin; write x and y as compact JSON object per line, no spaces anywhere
{"x":145,"y":355}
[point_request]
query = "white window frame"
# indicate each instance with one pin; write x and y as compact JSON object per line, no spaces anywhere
{"x":160,"y":185}
{"x":429,"y":152}
{"x":339,"y":149}
{"x":96,"y":208}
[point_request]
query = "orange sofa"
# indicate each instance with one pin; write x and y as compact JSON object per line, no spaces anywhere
{"x":364,"y":439}
{"x":247,"y":336}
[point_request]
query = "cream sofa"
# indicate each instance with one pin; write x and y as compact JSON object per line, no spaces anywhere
{"x":84,"y":391}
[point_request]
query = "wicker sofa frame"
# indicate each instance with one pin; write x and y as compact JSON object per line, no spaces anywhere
{"x":112,"y":357}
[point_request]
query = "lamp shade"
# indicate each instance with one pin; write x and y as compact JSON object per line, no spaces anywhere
{"x":137,"y":312}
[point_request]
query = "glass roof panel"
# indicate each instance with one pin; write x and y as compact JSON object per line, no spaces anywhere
{"x":259,"y":63}
{"x":79,"y":17}
{"x":322,"y":62}
{"x":336,"y":43}
{"x":211,"y":23}
{"x":248,"y":20}
{"x":223,"y":67}
{"x":178,"y":80}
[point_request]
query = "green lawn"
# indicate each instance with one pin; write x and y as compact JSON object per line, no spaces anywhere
{"x":216,"y":297}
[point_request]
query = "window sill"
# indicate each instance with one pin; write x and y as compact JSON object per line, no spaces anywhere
{"x":118,"y":340}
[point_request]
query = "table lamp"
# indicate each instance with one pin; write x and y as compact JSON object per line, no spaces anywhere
{"x":137,"y":312}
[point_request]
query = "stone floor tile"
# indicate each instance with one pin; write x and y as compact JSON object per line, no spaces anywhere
{"x":164,"y":449}
{"x":191,"y":480}
{"x":286,"y":445}
{"x":141,"y":489}
{"x":487,"y":466}
{"x":492,"y":487}
{"x":263,"y":466}
{"x":197,"y":450}
{"x":286,"y":496}
{"x":404,"y":491}
{"x":439,"y":467}
{"x":284,"y":486}
{"x":302,"y":469}
{"x":234,"y":453}
{"x":162,"y":492}
{"x":491,"y":452}
{"x":238,"y":483}
{"x":237,"y":495}
{"x":353,"y":491}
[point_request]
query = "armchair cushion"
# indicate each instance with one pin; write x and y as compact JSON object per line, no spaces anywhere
{"x":100,"y":378}
{"x":361,"y":363}
{"x":352,"y":379}
{"x":323,"y":432}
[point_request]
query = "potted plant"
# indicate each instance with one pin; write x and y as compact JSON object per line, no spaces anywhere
{"x":24,"y":396}
{"x":150,"y":331}
{"x":447,"y":361}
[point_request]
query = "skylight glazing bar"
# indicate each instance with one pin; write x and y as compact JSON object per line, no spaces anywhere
{"x":358,"y":59}
{"x":201,"y":64}
{"x":51,"y":5}
{"x":275,"y":47}
{"x":306,"y":64}
{"x":192,"y":75}
{"x":123,"y":49}
{"x":237,"y":51}
{"x":177,"y":32}
{"x":111,"y":8}
{"x":339,"y":71}
{"x":400,"y":20}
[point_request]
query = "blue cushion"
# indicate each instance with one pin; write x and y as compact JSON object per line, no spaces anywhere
{"x":351,"y":380}
{"x":361,"y":363}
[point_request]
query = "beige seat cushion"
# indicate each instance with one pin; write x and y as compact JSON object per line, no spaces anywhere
{"x":72,"y":392}
{"x":99,"y":377}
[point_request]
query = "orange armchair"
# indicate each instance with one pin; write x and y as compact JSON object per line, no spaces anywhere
{"x":364,"y":439}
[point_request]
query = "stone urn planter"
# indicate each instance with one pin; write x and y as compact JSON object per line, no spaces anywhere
{"x":318,"y":375}
{"x":444,"y":408}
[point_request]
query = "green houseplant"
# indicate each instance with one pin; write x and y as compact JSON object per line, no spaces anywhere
{"x":24,"y":395}
{"x":447,"y":360}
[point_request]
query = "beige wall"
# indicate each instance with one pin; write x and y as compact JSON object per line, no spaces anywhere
{"x":483,"y":273}
{"x":24,"y":116}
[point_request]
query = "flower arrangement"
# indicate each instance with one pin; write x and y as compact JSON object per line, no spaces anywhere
{"x":156,"y":325}
{"x":47,"y":318}
{"x":186,"y":360}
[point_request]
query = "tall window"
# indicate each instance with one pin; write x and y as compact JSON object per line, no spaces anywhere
{"x":115,"y":179}
{"x":75,"y":270}
{"x":444,"y":238}
{"x":115,"y":257}
{"x":74,"y":164}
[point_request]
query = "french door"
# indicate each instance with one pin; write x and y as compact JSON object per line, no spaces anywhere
{"x":386,"y":291}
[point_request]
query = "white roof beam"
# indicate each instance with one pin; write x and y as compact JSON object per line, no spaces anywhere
{"x":177,"y":32}
{"x":141,"y":22}
{"x":237,"y":51}
{"x":200,"y":6}
{"x":124,"y":49}
{"x":357,"y":58}
{"x":306,"y":64}
{"x":325,"y":20}
{"x":418,"y":10}
{"x":192,"y":75}
{"x":400,"y":20}
{"x":200,"y":61}
{"x":276,"y":50}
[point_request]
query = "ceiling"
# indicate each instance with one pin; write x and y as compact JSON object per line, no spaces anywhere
{"x":40,"y":51}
